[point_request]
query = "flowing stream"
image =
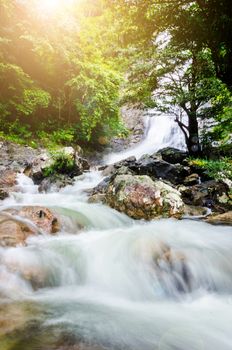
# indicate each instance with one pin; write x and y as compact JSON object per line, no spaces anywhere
{"x":111,"y":286}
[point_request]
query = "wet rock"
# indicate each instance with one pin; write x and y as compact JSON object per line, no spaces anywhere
{"x":7,"y":183}
{"x":191,"y":210}
{"x":112,"y":169}
{"x":159,"y":169}
{"x":207,"y":194}
{"x":55,"y":183}
{"x":97,"y":198}
{"x":221,"y":219}
{"x":16,"y":157}
{"x":165,"y":263}
{"x":36,"y":169}
{"x":16,"y":225}
{"x":152,"y":166}
{"x":98,"y":193}
{"x":82,"y":164}
{"x":173,"y":155}
{"x":193,"y":179}
{"x":142,"y":198}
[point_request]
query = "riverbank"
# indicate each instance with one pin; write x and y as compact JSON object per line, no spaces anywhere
{"x":99,"y":258}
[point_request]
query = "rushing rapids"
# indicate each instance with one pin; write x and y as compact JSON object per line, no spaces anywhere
{"x":117,"y":284}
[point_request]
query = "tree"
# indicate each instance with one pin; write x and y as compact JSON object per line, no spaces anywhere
{"x":189,"y":90}
{"x":184,"y":75}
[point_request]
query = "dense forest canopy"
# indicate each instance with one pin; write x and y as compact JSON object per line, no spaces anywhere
{"x":56,"y":70}
{"x":66,"y":67}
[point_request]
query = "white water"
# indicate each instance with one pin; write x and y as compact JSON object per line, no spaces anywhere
{"x":107,"y":286}
{"x":161,"y":131}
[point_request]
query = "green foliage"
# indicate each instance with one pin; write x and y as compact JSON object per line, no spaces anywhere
{"x":62,"y":164}
{"x":61,"y":68}
{"x":18,"y":133}
{"x":18,"y":95}
{"x":97,"y":92}
{"x":52,"y":140}
{"x":33,"y":99}
{"x":217,"y":169}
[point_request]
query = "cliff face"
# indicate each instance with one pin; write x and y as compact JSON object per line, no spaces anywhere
{"x":133,"y":119}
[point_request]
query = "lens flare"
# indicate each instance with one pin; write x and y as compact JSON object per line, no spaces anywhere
{"x":49,"y":7}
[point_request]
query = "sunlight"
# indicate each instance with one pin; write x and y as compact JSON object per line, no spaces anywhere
{"x":49,"y":7}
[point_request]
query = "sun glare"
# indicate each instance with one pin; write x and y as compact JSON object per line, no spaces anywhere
{"x":48,"y":7}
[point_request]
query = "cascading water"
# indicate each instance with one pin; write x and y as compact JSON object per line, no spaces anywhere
{"x":161,"y":131}
{"x":120,"y":283}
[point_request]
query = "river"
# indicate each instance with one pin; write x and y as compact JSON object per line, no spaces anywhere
{"x":102,"y":288}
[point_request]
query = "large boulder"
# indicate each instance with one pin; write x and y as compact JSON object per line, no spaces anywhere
{"x":142,"y":198}
{"x":8,"y":179}
{"x":16,"y":225}
{"x":112,"y":169}
{"x":173,"y":155}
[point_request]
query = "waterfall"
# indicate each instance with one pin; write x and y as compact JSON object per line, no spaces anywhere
{"x":161,"y":131}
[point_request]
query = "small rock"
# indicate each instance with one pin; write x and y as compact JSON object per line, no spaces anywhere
{"x":173,"y":155}
{"x":7,"y":183}
{"x":191,"y":210}
{"x":221,"y":219}
{"x":193,"y":179}
{"x":16,"y":225}
{"x":55,"y":183}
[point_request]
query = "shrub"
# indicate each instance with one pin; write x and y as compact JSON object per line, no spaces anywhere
{"x":63,"y":163}
{"x":217,"y":169}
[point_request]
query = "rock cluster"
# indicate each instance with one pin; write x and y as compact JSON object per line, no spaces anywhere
{"x":161,"y":185}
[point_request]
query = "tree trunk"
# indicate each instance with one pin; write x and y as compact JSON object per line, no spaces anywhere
{"x":193,"y":142}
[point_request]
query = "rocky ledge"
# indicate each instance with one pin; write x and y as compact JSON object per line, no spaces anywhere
{"x":49,"y":170}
